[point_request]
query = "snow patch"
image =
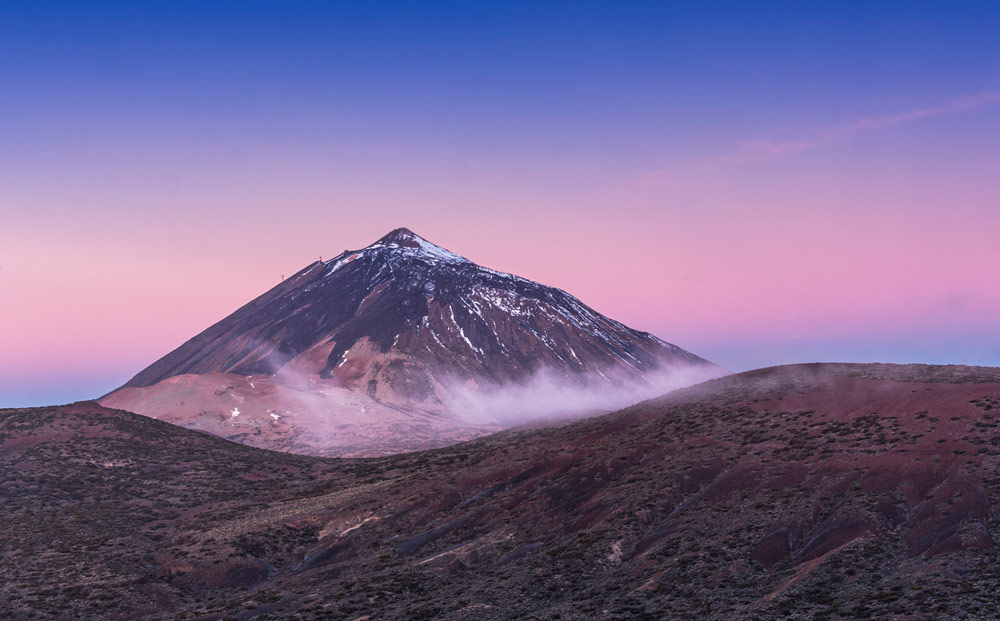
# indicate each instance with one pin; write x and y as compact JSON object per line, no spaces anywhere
{"x":461,"y":332}
{"x":436,"y":339}
{"x":340,"y":261}
{"x":425,"y":251}
{"x":471,"y":346}
{"x":575,"y":357}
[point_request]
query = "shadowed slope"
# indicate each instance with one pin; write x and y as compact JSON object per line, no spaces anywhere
{"x":407,"y":295}
{"x":391,"y":348}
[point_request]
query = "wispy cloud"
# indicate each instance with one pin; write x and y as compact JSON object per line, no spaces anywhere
{"x":768,"y":149}
{"x":771,"y":149}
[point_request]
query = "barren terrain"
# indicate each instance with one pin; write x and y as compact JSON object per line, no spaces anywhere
{"x":817,"y":491}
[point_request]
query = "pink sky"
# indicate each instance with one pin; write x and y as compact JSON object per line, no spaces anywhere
{"x":740,"y":262}
{"x":756,"y":186}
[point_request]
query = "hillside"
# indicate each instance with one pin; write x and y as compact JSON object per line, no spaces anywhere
{"x":822,"y":491}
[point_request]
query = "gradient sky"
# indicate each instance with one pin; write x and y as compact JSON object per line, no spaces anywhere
{"x":757,"y":183}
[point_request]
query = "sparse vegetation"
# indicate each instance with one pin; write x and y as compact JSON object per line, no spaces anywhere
{"x":759,"y":496}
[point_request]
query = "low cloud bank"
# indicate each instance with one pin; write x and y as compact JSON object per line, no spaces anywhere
{"x":549,"y":395}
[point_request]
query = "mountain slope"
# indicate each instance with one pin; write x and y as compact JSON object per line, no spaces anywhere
{"x":401,"y":330}
{"x":406,"y":295}
{"x":817,"y":491}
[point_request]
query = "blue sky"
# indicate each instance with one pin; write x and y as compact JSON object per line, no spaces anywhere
{"x":759,"y":183}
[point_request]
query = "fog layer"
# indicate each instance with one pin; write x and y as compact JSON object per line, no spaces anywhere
{"x":551,"y":395}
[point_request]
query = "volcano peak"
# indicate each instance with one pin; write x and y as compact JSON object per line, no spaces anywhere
{"x":402,"y":237}
{"x":406,"y":239}
{"x":391,"y":345}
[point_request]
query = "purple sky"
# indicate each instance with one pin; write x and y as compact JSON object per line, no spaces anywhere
{"x":801,"y":182}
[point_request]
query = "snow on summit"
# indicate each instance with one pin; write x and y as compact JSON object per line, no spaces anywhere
{"x":424,"y":329}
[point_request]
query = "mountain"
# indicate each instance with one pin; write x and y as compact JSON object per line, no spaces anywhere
{"x":401,"y":345}
{"x":808,"y":491}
